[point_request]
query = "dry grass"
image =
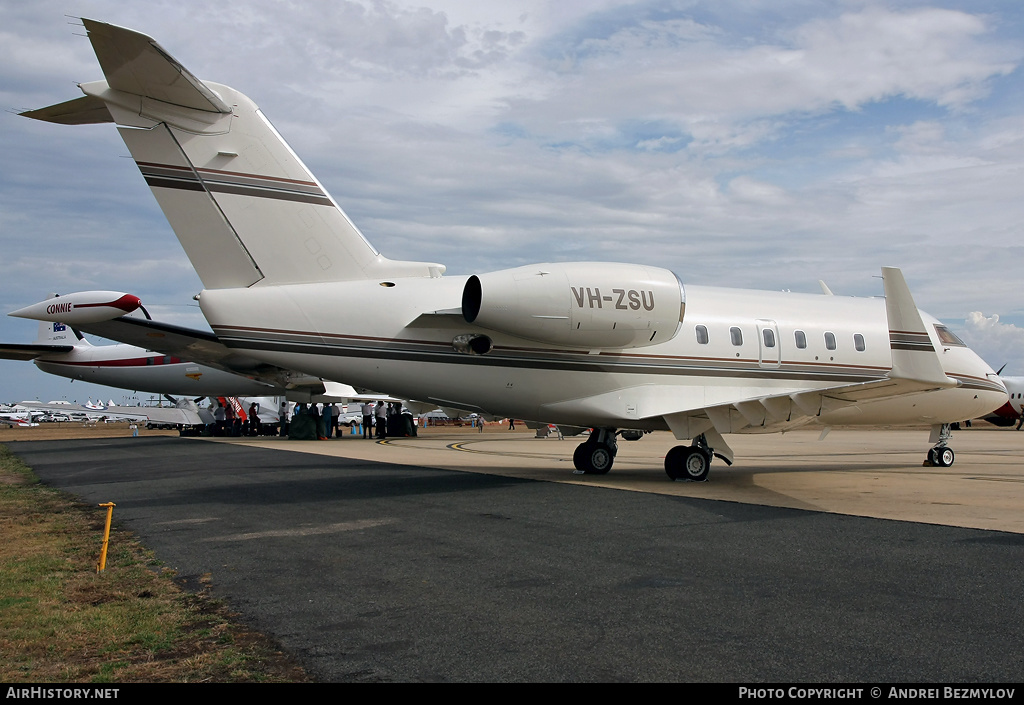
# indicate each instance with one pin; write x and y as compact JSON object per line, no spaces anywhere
{"x":61,"y":622}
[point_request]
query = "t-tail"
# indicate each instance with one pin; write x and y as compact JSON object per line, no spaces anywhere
{"x":245,"y":208}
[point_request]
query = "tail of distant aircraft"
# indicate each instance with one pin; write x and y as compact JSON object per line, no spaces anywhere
{"x":243,"y":205}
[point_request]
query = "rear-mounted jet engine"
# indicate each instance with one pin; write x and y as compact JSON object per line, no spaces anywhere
{"x":593,"y":305}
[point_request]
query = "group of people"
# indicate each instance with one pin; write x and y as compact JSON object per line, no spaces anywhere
{"x":323,"y":422}
{"x":227,"y":423}
{"x":380,"y":421}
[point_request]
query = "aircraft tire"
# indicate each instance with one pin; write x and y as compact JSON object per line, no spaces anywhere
{"x":697,"y":464}
{"x":675,"y":460}
{"x":688,"y":463}
{"x":945,"y":456}
{"x":592,"y":458}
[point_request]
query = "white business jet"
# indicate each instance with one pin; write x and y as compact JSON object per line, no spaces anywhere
{"x":619,"y":348}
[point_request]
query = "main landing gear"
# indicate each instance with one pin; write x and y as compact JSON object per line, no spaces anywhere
{"x":596,"y":455}
{"x":691,"y":462}
{"x":688,"y":463}
{"x":941,"y":455}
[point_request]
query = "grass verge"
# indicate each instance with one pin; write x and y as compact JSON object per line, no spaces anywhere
{"x":61,"y":622}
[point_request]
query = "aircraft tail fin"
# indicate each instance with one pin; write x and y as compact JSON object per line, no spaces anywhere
{"x":243,"y":205}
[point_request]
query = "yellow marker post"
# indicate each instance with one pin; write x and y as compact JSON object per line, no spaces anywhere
{"x":106,"y":536}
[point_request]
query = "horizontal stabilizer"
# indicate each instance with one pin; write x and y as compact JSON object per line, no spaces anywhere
{"x":14,"y":351}
{"x":134,"y":63}
{"x":87,"y":110}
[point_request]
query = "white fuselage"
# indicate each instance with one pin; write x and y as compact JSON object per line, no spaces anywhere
{"x":402,"y":345}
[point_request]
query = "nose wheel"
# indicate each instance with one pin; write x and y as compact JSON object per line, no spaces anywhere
{"x":940,"y":457}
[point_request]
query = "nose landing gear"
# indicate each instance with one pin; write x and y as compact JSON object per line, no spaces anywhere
{"x":941,"y":455}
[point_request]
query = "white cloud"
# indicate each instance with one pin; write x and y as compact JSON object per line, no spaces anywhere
{"x":998,"y":343}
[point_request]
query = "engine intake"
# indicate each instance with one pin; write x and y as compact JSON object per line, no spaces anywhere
{"x":593,"y":305}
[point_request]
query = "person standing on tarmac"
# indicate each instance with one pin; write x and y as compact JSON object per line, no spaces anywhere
{"x":318,"y":429}
{"x":367,"y":410}
{"x":381,"y":417}
{"x":254,"y":419}
{"x":282,"y":417}
{"x":328,"y":419}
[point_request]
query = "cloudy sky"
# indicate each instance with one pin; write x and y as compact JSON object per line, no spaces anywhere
{"x":749,"y":144}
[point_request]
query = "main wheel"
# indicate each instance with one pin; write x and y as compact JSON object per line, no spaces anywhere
{"x":697,"y":464}
{"x":688,"y":463}
{"x":945,"y":456}
{"x":674,"y":462}
{"x":592,"y":458}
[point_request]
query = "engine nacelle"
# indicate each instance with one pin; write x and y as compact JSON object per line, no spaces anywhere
{"x":593,"y":305}
{"x":81,"y":307}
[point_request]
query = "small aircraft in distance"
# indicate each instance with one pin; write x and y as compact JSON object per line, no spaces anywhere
{"x":15,"y":416}
{"x":60,"y":349}
{"x":1012,"y":412}
{"x":620,"y":348}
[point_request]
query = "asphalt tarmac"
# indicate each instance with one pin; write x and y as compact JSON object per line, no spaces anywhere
{"x":419,"y":560}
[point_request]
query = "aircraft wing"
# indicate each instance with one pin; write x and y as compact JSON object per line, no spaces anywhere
{"x":690,"y":412}
{"x":205,"y":348}
{"x":166,"y":415}
{"x":187,"y":343}
{"x":15,"y":351}
{"x":157,"y":414}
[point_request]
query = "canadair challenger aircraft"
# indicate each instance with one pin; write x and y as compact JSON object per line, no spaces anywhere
{"x":619,"y":348}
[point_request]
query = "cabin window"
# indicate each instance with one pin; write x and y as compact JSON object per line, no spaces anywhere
{"x":858,"y":342}
{"x":768,"y":335}
{"x":830,"y":341}
{"x":948,"y":337}
{"x":801,"y":339}
{"x":702,"y":334}
{"x":736,"y":336}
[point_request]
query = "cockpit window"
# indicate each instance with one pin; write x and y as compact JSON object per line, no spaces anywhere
{"x":948,"y":337}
